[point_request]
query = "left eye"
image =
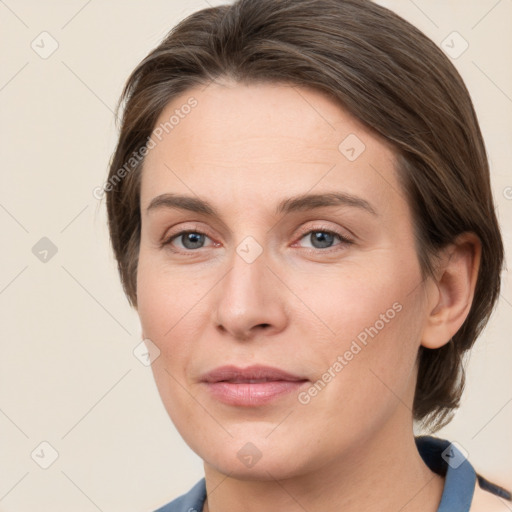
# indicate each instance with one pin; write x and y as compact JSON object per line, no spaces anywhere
{"x":323,"y":239}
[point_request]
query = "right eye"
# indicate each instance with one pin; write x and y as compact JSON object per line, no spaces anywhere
{"x":190,"y":240}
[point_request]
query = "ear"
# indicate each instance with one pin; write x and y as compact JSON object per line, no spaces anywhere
{"x":452,"y":290}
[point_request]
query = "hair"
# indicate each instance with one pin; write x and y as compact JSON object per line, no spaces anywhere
{"x":383,"y":71}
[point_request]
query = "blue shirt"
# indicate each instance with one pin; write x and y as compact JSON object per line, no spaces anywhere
{"x":442,"y":457}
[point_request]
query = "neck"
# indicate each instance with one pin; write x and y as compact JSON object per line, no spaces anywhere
{"x":383,"y":473}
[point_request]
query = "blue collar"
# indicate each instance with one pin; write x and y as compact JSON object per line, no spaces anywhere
{"x":441,"y":456}
{"x":445,"y":459}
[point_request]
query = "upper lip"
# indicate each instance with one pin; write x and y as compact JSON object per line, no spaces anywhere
{"x":255,"y":372}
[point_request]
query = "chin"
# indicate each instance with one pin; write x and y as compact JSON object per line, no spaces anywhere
{"x":273,"y":466}
{"x":253,"y":457}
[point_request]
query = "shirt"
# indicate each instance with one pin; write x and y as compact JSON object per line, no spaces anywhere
{"x":441,"y":456}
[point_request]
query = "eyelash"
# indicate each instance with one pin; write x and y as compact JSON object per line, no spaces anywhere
{"x":320,"y":229}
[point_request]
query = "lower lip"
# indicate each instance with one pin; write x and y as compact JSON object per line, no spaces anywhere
{"x":252,"y":394}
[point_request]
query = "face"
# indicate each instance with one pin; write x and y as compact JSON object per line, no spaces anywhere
{"x":326,"y":288}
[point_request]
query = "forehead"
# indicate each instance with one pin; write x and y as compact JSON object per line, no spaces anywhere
{"x":262,"y":140}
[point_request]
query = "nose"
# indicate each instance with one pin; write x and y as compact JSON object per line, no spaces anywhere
{"x":250,"y":300}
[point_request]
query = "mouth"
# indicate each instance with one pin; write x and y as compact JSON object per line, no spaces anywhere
{"x":252,"y":386}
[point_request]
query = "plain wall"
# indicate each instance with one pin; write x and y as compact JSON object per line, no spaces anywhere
{"x":68,"y":376}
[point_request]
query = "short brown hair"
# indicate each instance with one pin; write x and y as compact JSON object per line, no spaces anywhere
{"x":383,"y":71}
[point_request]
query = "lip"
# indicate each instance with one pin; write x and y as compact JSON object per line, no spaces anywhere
{"x":235,"y":386}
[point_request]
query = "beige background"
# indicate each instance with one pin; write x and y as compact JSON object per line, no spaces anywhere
{"x":68,"y":375}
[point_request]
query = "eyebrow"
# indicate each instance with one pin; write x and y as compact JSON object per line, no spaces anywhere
{"x":292,"y":204}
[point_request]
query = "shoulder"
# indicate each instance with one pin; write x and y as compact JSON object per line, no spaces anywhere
{"x":489,"y":497}
{"x":487,"y":500}
{"x":192,"y":501}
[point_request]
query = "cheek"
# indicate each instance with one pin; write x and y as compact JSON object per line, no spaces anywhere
{"x":172,"y":310}
{"x":167,"y":299}
{"x":363,"y":378}
{"x":167,"y":319}
{"x":374,"y":316}
{"x":357,"y":300}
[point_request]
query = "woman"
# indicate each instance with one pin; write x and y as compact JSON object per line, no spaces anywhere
{"x":300,"y":208}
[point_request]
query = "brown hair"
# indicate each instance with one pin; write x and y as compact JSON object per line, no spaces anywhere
{"x":386,"y":73}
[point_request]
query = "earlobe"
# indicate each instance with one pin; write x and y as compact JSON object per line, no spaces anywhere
{"x":455,"y":282}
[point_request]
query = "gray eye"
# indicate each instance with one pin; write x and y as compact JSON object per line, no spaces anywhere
{"x":321,"y":239}
{"x":192,"y":240}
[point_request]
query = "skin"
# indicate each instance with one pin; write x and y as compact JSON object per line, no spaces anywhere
{"x":297,"y":306}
